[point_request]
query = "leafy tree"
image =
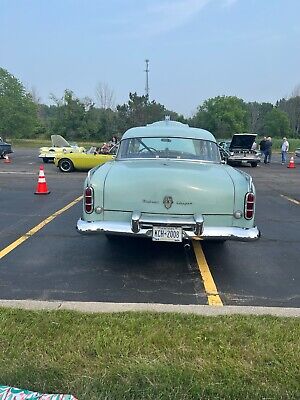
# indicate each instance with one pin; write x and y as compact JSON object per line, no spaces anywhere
{"x":257,"y":112}
{"x":222,"y":115}
{"x":78,"y":118}
{"x":292,"y":108}
{"x":276,"y":123}
{"x":18,"y":112}
{"x":69,"y":118}
{"x":102,"y":123}
{"x":140,"y":111}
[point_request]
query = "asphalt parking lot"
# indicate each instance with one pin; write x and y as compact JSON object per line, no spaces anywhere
{"x":56,"y":263}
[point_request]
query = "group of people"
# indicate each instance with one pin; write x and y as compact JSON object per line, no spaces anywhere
{"x":106,"y":147}
{"x":265,"y":146}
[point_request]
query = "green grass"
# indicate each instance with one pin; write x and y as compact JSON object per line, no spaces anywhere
{"x":294,"y":144}
{"x":150,"y":356}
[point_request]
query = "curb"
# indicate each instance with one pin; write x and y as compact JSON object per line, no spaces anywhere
{"x":106,"y":307}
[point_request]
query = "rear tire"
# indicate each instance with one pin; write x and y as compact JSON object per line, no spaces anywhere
{"x":65,"y":165}
{"x":253,"y":164}
{"x":45,"y":160}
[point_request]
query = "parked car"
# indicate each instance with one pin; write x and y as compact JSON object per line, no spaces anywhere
{"x":167,"y":183}
{"x":59,"y":144}
{"x":5,"y":148}
{"x":240,"y":149}
{"x":68,"y":162}
{"x":297,"y":152}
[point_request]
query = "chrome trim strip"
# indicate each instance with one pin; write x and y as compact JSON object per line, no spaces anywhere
{"x":167,"y":220}
{"x":91,"y":173}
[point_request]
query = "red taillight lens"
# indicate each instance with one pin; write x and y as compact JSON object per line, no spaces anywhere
{"x":89,"y":200}
{"x":249,"y":205}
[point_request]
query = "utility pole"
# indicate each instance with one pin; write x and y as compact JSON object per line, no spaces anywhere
{"x":147,"y":78}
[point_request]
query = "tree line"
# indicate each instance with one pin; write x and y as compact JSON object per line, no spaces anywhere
{"x":22,"y":115}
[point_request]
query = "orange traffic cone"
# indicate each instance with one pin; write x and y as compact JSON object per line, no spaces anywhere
{"x":6,"y":159}
{"x":42,"y":185}
{"x":291,"y":163}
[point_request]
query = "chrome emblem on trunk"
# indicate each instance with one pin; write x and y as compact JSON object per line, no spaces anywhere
{"x":168,"y":201}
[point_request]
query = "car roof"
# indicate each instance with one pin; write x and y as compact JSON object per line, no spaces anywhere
{"x":168,"y":128}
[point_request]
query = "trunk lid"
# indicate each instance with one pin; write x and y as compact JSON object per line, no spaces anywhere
{"x":242,"y":141}
{"x":169,"y":187}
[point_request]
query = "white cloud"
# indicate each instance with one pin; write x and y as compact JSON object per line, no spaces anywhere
{"x":171,"y":14}
{"x":162,"y":16}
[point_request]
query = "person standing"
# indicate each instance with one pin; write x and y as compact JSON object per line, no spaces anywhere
{"x":284,"y":150}
{"x":268,"y":150}
{"x":262,"y":144}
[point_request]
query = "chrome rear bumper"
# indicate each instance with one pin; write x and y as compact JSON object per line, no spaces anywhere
{"x":192,"y":227}
{"x":243,"y":159}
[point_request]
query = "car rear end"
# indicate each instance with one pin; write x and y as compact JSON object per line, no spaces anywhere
{"x":241,"y":151}
{"x":212,"y":209}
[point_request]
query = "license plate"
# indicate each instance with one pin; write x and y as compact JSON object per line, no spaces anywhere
{"x":167,"y":234}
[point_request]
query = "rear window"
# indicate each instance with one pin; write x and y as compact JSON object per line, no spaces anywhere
{"x":169,"y":147}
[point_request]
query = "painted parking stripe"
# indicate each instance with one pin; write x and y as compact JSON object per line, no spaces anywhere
{"x":290,"y":199}
{"x":35,"y":229}
{"x":208,"y":281}
{"x":17,"y":173}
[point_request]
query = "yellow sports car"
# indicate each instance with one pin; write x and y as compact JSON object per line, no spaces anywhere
{"x":59,"y":144}
{"x":68,"y":162}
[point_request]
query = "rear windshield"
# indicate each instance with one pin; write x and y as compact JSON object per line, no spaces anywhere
{"x":169,"y":147}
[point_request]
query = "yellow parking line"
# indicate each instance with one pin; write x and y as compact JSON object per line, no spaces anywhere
{"x":208,"y":281}
{"x":290,"y":199}
{"x":35,"y":229}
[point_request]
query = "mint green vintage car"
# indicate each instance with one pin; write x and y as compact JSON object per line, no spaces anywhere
{"x":168,"y":183}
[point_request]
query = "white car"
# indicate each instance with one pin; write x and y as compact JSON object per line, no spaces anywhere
{"x":240,"y":150}
{"x":59,"y":144}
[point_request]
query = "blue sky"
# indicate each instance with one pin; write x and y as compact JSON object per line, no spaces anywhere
{"x":197,"y":48}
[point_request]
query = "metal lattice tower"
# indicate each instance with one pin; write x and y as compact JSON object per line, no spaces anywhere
{"x":147,"y":78}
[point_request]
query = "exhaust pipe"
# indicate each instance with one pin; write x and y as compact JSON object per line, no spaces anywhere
{"x":187,"y":246}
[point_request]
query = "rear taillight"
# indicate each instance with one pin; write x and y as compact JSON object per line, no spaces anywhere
{"x":249,"y":205}
{"x":89,"y":200}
